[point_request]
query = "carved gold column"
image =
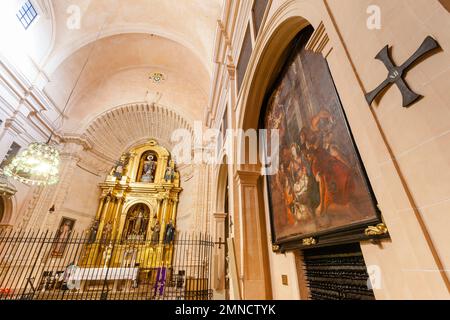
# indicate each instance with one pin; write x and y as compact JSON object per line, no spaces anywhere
{"x":152,"y":220}
{"x":116,"y":218}
{"x":174,"y":211}
{"x":164,"y":218}
{"x":103,"y":216}
{"x":100,"y":208}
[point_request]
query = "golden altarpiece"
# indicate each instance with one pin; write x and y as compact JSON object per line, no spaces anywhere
{"x":136,"y":217}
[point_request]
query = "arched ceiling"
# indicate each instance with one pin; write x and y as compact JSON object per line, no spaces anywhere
{"x":118,"y":72}
{"x":189,"y":22}
{"x":115,"y":131}
{"x":127,"y":41}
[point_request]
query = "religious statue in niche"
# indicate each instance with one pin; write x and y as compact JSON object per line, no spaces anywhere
{"x":155,"y":232}
{"x":107,"y":230}
{"x":170,"y":233}
{"x":62,"y":236}
{"x":137,"y":222}
{"x":93,"y":231}
{"x":170,"y":171}
{"x":148,"y":173}
{"x":118,"y":170}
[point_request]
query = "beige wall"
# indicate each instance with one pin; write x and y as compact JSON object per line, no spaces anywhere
{"x":82,"y":198}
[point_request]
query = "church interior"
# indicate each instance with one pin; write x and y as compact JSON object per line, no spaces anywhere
{"x":224,"y":149}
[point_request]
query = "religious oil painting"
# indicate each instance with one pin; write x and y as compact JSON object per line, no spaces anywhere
{"x":62,"y":236}
{"x":321,"y":186}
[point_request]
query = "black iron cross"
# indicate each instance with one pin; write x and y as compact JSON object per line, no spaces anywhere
{"x":396,"y":73}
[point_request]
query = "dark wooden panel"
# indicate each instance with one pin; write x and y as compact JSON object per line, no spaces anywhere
{"x":337,"y":273}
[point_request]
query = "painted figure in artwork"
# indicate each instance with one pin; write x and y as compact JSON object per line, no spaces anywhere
{"x":320,"y":184}
{"x":63,"y":234}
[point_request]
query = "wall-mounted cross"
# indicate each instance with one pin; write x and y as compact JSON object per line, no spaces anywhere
{"x":396,"y":73}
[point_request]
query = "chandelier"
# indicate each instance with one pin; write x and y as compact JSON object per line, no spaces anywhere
{"x":36,"y":165}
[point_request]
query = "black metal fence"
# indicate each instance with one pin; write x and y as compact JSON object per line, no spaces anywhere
{"x":39,"y":266}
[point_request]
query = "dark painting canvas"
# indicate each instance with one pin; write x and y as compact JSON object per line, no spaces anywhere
{"x":62,"y":236}
{"x":320,"y":185}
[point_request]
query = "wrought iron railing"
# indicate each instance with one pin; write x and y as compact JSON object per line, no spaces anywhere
{"x":40,"y":266}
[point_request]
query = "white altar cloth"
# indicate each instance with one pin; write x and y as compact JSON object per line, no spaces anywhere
{"x":83,"y":274}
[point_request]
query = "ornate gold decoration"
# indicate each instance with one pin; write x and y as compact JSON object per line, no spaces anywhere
{"x":157,"y":77}
{"x":378,"y":230}
{"x":309,"y":241}
{"x":275,"y":247}
{"x":137,"y":212}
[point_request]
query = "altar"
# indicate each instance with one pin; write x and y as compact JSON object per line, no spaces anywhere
{"x":115,"y":275}
{"x":135,"y":223}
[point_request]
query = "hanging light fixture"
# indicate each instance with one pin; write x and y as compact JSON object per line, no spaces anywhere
{"x":38,"y":164}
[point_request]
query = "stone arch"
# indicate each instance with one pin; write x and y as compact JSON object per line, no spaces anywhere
{"x":146,"y":217}
{"x":221,"y":186}
{"x":137,"y":129}
{"x":130,"y":204}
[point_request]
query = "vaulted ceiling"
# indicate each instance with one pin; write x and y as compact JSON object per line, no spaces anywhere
{"x":127,"y":41}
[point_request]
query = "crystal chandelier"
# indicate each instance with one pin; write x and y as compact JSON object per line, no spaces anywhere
{"x":36,"y":165}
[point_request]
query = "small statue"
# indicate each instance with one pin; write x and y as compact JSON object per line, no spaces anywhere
{"x":149,"y":167}
{"x":93,"y":231}
{"x":107,"y":254}
{"x":170,"y":233}
{"x":138,"y":223}
{"x":119,"y":168}
{"x":156,"y":230}
{"x":170,"y":172}
{"x":107,"y":232}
